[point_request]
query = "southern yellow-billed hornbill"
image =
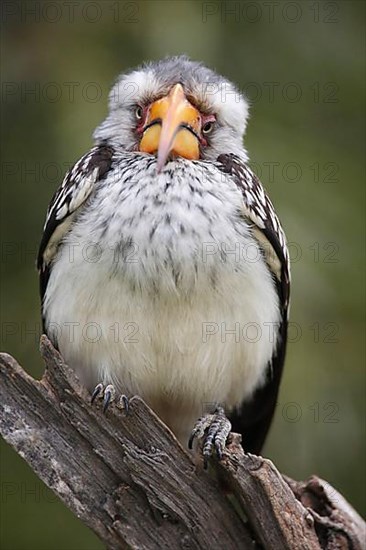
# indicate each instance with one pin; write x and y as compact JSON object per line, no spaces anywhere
{"x":163,"y":266}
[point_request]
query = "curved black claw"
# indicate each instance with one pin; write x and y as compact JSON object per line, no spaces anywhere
{"x":124,"y":403}
{"x":99,"y":388}
{"x":213,"y":429}
{"x":108,"y":394}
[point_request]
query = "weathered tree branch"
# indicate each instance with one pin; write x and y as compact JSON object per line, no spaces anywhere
{"x":131,"y":482}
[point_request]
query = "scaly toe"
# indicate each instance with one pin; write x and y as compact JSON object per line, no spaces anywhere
{"x":200,"y":428}
{"x":214,"y":430}
{"x":221,"y":436}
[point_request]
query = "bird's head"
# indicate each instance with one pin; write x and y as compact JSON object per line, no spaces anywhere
{"x":175,"y":107}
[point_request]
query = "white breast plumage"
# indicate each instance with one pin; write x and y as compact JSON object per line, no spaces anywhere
{"x":167,"y":290}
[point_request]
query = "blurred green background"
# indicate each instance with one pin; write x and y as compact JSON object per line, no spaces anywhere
{"x":301,"y":65}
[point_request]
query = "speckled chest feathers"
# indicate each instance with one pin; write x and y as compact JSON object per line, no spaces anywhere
{"x":169,"y":295}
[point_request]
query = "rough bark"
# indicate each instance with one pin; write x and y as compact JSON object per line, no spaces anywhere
{"x":132,"y":483}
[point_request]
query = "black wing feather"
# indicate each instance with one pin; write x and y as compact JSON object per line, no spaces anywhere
{"x":69,"y":197}
{"x":254,"y":417}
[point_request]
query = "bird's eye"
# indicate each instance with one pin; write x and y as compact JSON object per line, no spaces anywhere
{"x":207,"y":127}
{"x":138,"y":112}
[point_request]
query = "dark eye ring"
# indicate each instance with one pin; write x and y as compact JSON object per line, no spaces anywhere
{"x":208,"y":127}
{"x":138,"y":112}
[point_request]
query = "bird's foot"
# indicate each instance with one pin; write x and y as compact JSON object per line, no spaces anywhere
{"x":213,"y":429}
{"x":108,"y":394}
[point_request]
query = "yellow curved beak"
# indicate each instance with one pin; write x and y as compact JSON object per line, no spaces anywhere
{"x":173,"y":125}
